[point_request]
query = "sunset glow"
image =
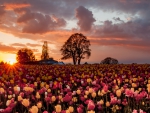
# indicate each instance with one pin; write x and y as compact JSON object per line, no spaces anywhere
{"x":118,"y":29}
{"x":11,"y":61}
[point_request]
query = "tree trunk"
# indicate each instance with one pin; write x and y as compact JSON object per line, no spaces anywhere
{"x":79,"y":60}
{"x":74,"y":60}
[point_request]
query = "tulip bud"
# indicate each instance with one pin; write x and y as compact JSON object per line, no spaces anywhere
{"x":39,"y":105}
{"x":34,"y":109}
{"x":118,"y":93}
{"x":107,"y":104}
{"x":20,"y":98}
{"x":25,"y":102}
{"x":38,"y":95}
{"x":93,"y":94}
{"x":78,"y":92}
{"x":86,"y":92}
{"x":53,"y":98}
{"x":71,"y":109}
{"x":58,"y":108}
{"x":90,"y":90}
{"x":101,"y":102}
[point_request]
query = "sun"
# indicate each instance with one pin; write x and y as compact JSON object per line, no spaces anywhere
{"x":11,"y":61}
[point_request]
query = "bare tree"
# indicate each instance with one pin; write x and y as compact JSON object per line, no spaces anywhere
{"x":76,"y":47}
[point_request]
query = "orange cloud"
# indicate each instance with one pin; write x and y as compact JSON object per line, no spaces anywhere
{"x":7,"y":49}
{"x":12,"y":6}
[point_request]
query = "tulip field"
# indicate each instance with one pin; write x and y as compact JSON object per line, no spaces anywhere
{"x":91,"y":88}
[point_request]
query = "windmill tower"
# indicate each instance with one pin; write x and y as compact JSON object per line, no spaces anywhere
{"x":45,"y":54}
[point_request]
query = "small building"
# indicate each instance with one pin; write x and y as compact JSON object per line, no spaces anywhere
{"x":48,"y":61}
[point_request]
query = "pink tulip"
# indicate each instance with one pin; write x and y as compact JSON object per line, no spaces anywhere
{"x":67,"y":98}
{"x":91,"y":105}
{"x":47,"y":99}
{"x":113,"y":100}
{"x":8,"y":110}
{"x":105,"y":88}
{"x":119,"y":101}
{"x":82,"y":98}
{"x":141,"y":111}
{"x":129,"y":93}
{"x":80,"y":110}
{"x":22,"y":94}
{"x":99,"y":107}
{"x":124,"y":102}
{"x":45,"y":112}
{"x":135,"y":111}
{"x":63,"y":111}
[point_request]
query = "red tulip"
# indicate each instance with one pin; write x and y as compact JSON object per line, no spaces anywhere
{"x":91,"y":105}
{"x":80,"y":110}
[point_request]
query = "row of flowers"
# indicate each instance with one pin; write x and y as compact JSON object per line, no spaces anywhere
{"x":75,"y":89}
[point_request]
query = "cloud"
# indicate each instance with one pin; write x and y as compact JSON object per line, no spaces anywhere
{"x":132,"y":34}
{"x":42,"y":20}
{"x":33,"y":45}
{"x":8,"y":49}
{"x":40,"y":23}
{"x":13,"y":6}
{"x":18,"y":45}
{"x":85,"y":18}
{"x":2,"y":11}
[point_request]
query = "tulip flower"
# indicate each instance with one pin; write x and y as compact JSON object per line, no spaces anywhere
{"x":107,"y":104}
{"x":53,"y":98}
{"x":20,"y":98}
{"x":101,"y":102}
{"x":58,"y":108}
{"x":39,"y":105}
{"x":93,"y":94}
{"x":71,"y":109}
{"x":25,"y":102}
{"x":34,"y":109}
{"x":38,"y":95}
{"x":79,"y":110}
{"x":91,"y":105}
{"x":91,"y":90}
{"x":78,"y":92}
{"x":118,"y":93}
{"x":2,"y":90}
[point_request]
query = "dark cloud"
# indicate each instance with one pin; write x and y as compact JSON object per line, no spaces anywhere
{"x":118,"y":19}
{"x":85,"y":18}
{"x":132,"y":34}
{"x":2,"y":12}
{"x":40,"y":23}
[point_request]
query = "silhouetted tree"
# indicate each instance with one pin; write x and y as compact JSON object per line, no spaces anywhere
{"x":76,"y":47}
{"x":109,"y":60}
{"x":2,"y":63}
{"x":25,"y":55}
{"x":45,"y":54}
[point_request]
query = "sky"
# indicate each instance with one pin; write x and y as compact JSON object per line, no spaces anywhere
{"x":116,"y":28}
